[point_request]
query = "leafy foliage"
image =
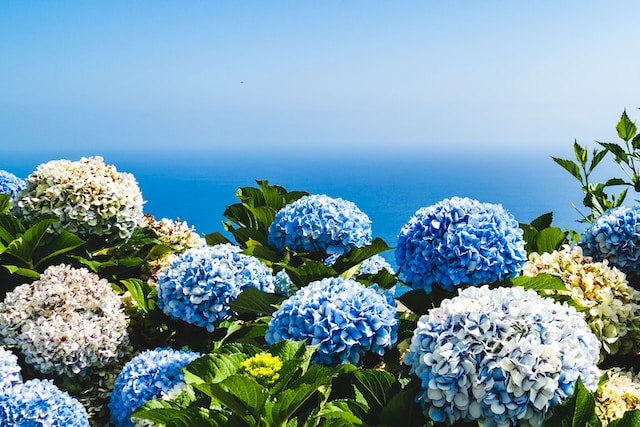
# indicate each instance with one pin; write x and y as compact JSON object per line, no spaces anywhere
{"x":540,"y":236}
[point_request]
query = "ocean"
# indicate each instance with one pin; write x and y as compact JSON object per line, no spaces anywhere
{"x":389,"y":188}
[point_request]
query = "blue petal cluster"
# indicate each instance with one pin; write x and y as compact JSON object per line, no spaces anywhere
{"x":345,"y":318}
{"x":502,"y":356}
{"x":201,"y":282}
{"x":283,"y":284}
{"x":40,"y":403}
{"x":11,"y":184}
{"x":320,"y":223}
{"x":375,"y":264}
{"x":460,"y":241}
{"x":9,"y":369}
{"x":147,"y":376}
{"x":615,"y":236}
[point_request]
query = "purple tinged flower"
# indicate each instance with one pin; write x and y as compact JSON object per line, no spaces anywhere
{"x":201,"y":282}
{"x":502,"y":356}
{"x":320,"y":223}
{"x":615,"y":236}
{"x":345,"y":318}
{"x":460,"y":241}
{"x":40,"y":403}
{"x":149,"y":375}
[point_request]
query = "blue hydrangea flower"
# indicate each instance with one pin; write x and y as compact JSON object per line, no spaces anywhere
{"x":503,"y":356}
{"x":201,"y":283}
{"x":283,"y":284}
{"x":149,"y":375}
{"x":39,"y":403}
{"x":320,"y":223}
{"x":375,"y":264}
{"x":9,"y":369}
{"x":11,"y":184}
{"x":615,"y":236}
{"x":345,"y":318}
{"x":460,"y":241}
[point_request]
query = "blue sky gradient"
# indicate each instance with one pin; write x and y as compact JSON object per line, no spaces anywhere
{"x":372,"y":76}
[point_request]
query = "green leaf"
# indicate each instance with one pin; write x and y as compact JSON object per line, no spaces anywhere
{"x":570,"y":167}
{"x":615,"y":181}
{"x":597,"y":158}
{"x":213,"y":367}
{"x":417,"y":301}
{"x":358,"y":255}
{"x":626,"y":128}
{"x":402,"y":406}
{"x":540,"y":282}
{"x":543,"y":221}
{"x":10,"y":228}
{"x":253,"y":300}
{"x":139,"y":291}
{"x":5,"y":203}
{"x":25,"y":272}
{"x":340,"y":414}
{"x":578,"y":410}
{"x":550,"y":239}
{"x":24,"y":246}
{"x":580,"y":153}
{"x":616,"y":150}
{"x":374,"y":386}
{"x":59,"y":244}
{"x":288,"y":402}
{"x":629,"y":419}
{"x":239,"y":393}
{"x":215,"y":238}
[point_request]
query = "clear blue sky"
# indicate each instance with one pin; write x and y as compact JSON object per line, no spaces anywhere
{"x":315,"y":75}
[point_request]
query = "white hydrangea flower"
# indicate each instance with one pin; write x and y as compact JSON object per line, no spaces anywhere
{"x":67,"y":322}
{"x":89,"y":197}
{"x":619,"y":394}
{"x":176,"y":234}
{"x":612,"y":306}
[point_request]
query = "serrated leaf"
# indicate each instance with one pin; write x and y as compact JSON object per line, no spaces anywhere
{"x":580,"y":153}
{"x":616,"y":150}
{"x":239,"y":393}
{"x":626,"y":128}
{"x":597,"y":158}
{"x":550,"y":239}
{"x":213,"y":367}
{"x":540,"y":282}
{"x":374,"y":385}
{"x":253,"y":300}
{"x":570,"y":167}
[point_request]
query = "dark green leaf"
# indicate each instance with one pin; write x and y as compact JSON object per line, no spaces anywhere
{"x":340,"y":414}
{"x":178,"y":417}
{"x":289,"y":401}
{"x":417,"y":301}
{"x":402,"y":406}
{"x":374,"y":385}
{"x":24,"y":246}
{"x":10,"y":228}
{"x":5,"y":203}
{"x":616,"y":150}
{"x":635,"y":142}
{"x":543,"y":221}
{"x":550,"y":239}
{"x":215,"y":238}
{"x":597,"y":158}
{"x":358,"y":255}
{"x":253,"y":300}
{"x":616,"y":181}
{"x":578,"y":410}
{"x":626,"y":128}
{"x":629,"y":419}
{"x":59,"y":244}
{"x":239,"y":393}
{"x":570,"y":167}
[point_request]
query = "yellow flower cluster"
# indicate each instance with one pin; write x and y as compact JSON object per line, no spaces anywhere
{"x":619,"y":394}
{"x":263,"y":367}
{"x":611,"y":306}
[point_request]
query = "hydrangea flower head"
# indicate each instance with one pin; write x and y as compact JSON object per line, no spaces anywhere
{"x":40,"y":403}
{"x":149,"y":375}
{"x":11,"y":184}
{"x":263,"y":367}
{"x":460,"y":241}
{"x":10,"y":374}
{"x":618,"y":394}
{"x":615,"y":236}
{"x":66,"y":323}
{"x":89,"y":197}
{"x":375,"y":264}
{"x":201,"y":283}
{"x":176,"y":234}
{"x":611,"y":305}
{"x":320,"y":223}
{"x":283,"y":284}
{"x":345,"y":318}
{"x":502,"y":356}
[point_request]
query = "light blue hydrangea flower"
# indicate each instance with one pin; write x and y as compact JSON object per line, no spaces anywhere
{"x":320,"y":223}
{"x":39,"y":403}
{"x":375,"y":264}
{"x":11,"y":184}
{"x":149,"y":375}
{"x":201,"y":282}
{"x":283,"y":284}
{"x":503,"y":356}
{"x":9,"y":369}
{"x":460,"y":241}
{"x":615,"y":236}
{"x":345,"y":318}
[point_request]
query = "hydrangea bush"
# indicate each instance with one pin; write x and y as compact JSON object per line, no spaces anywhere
{"x":40,"y":403}
{"x":345,"y":318}
{"x":615,"y":236}
{"x":152,"y":373}
{"x":68,"y":322}
{"x":90,"y":198}
{"x":611,"y":306}
{"x":459,"y":241}
{"x":502,"y":356}
{"x":320,"y":223}
{"x":11,"y":184}
{"x":201,"y":283}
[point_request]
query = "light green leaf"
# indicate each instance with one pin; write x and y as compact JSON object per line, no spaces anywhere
{"x":57,"y":245}
{"x":24,"y":246}
{"x":25,"y":272}
{"x":626,"y":128}
{"x":550,"y":239}
{"x":540,"y":282}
